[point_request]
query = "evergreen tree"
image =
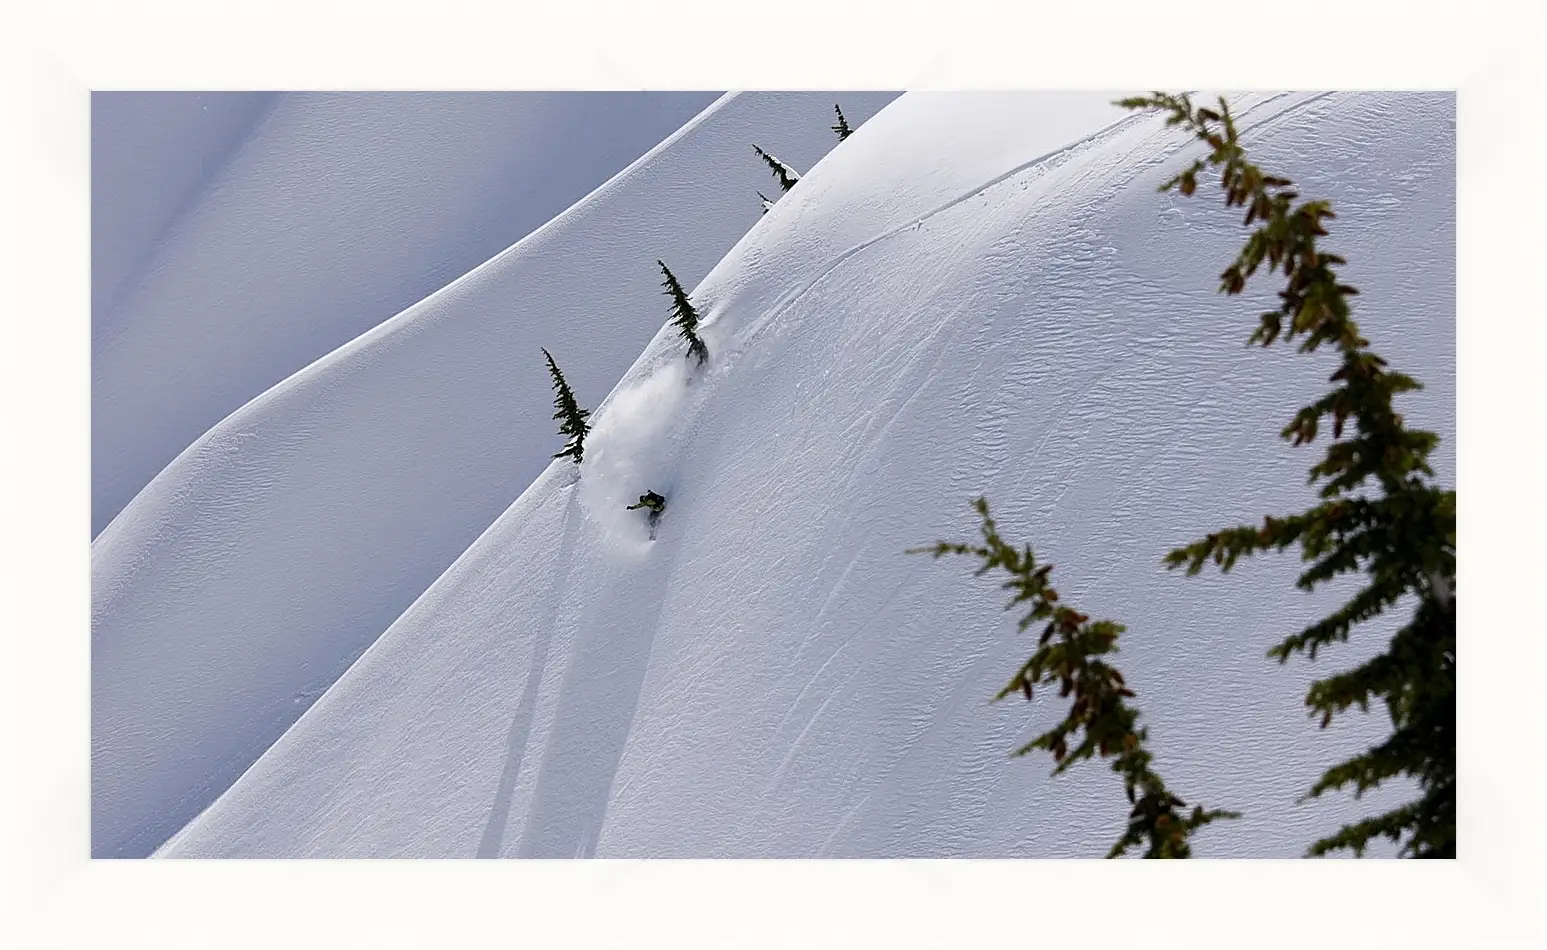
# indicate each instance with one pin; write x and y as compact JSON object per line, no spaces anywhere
{"x":842,"y":128}
{"x":1068,"y":654}
{"x":1403,"y":538}
{"x":767,"y":202}
{"x":1402,"y":535}
{"x":684,"y":317}
{"x":787,"y":176}
{"x":569,"y":411}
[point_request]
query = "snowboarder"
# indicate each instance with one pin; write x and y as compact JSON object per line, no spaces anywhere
{"x":656,"y":504}
{"x":652,"y":501}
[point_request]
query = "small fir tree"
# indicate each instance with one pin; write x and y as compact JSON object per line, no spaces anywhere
{"x":573,"y":418}
{"x":842,"y":128}
{"x":684,"y":317}
{"x":767,"y":202}
{"x":787,"y":176}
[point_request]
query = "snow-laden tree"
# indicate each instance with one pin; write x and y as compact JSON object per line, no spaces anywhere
{"x":787,"y":176}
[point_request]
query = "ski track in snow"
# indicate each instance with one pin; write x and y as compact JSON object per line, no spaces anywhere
{"x":755,"y":332}
{"x":729,"y":691}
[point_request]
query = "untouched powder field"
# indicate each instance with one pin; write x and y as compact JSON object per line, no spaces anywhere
{"x":976,"y":293}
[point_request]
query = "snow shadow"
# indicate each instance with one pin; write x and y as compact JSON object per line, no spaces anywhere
{"x":521,"y":724}
{"x":595,"y":715}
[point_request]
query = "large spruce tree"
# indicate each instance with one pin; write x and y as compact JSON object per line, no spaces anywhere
{"x":1402,"y":536}
{"x":573,"y":418}
{"x":787,"y":176}
{"x":684,"y":317}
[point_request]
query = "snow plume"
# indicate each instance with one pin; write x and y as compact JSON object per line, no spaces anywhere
{"x":630,"y":451}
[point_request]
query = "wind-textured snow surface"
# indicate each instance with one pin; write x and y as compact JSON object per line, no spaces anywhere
{"x":973,"y":294}
{"x":152,"y":156}
{"x":300,"y":221}
{"x":258,"y":565}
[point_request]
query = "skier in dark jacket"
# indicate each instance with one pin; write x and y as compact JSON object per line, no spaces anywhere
{"x":656,"y":504}
{"x":650,"y":500}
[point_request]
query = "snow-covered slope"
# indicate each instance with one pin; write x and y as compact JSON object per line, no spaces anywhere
{"x":337,"y":211}
{"x":957,"y":300}
{"x":152,"y":154}
{"x":249,"y":574}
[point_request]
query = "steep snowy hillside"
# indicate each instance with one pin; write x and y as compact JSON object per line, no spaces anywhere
{"x":152,"y":154}
{"x":949,"y":304}
{"x":337,"y":211}
{"x":250,"y":573}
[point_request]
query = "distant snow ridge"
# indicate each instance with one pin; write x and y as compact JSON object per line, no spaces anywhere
{"x":337,"y":211}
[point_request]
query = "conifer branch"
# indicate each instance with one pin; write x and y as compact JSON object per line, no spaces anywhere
{"x":1404,"y":539}
{"x":1099,"y":722}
